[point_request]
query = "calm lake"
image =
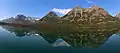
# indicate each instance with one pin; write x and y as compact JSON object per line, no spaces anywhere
{"x":27,"y":40}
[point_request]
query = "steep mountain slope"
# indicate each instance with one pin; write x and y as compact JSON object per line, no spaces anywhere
{"x":88,"y":15}
{"x":51,"y":17}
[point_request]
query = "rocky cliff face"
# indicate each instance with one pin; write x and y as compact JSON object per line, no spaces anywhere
{"x":87,"y":15}
{"x":118,"y":15}
{"x":51,"y":17}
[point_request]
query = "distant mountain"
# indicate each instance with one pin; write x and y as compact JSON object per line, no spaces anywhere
{"x":21,"y":19}
{"x":51,"y":17}
{"x":87,"y":15}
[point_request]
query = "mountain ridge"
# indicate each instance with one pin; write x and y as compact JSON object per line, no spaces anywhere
{"x":93,"y":14}
{"x":78,"y":15}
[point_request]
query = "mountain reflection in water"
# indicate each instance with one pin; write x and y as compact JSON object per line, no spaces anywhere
{"x":75,"y":39}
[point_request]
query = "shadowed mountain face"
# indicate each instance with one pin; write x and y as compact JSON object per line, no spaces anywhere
{"x":51,"y":17}
{"x":88,"y":15}
{"x":71,"y":38}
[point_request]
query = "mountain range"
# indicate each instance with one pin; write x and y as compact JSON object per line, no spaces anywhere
{"x":78,"y":15}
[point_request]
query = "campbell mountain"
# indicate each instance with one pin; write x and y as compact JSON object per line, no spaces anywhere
{"x":94,"y":14}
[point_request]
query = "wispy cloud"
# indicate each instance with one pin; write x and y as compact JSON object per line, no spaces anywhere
{"x":90,"y":2}
{"x":61,"y":11}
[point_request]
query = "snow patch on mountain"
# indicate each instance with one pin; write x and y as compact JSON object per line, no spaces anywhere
{"x":60,"y":43}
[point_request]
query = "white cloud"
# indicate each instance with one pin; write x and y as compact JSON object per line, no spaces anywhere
{"x":61,"y":11}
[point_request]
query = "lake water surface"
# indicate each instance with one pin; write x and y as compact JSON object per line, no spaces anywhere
{"x":15,"y":40}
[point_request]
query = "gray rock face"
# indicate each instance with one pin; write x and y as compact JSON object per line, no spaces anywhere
{"x":118,"y":15}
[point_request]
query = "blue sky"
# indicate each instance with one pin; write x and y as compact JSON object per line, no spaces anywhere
{"x":38,"y":8}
